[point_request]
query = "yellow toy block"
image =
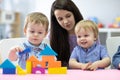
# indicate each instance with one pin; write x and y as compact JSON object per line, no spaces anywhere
{"x":20,"y":70}
{"x":28,"y":67}
{"x":59,"y":70}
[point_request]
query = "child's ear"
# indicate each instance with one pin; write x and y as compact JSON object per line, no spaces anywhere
{"x":95,"y":39}
{"x":46,"y":33}
{"x":24,"y":31}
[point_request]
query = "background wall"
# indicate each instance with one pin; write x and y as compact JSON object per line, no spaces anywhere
{"x":105,"y":10}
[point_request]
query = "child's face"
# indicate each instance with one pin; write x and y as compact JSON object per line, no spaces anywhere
{"x":85,"y":39}
{"x":35,"y":33}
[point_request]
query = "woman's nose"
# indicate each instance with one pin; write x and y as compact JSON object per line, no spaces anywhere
{"x":65,"y":21}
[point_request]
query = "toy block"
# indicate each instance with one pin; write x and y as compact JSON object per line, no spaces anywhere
{"x":20,"y":71}
{"x":28,"y":66}
{"x":48,"y":58}
{"x":48,"y":51}
{"x":8,"y":67}
{"x":7,"y":64}
{"x":27,"y":50}
{"x":54,"y":64}
{"x":9,"y":71}
{"x":59,"y":70}
{"x":38,"y":64}
{"x":34,"y":70}
{"x":33,"y":59}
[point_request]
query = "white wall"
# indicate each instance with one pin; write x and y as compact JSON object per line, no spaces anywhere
{"x":105,"y":10}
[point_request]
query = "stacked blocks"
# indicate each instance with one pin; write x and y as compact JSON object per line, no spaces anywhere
{"x":33,"y":65}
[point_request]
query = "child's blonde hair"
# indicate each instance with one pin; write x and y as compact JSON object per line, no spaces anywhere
{"x":36,"y":18}
{"x":87,"y":25}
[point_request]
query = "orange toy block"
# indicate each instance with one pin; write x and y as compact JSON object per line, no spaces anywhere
{"x":48,"y":58}
{"x":60,"y":70}
{"x":38,"y":64}
{"x":34,"y":61}
{"x":54,"y":64}
{"x":50,"y":61}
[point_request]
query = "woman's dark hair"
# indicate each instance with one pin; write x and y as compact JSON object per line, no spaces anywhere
{"x":59,"y":37}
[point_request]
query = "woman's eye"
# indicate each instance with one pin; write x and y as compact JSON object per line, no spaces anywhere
{"x":68,"y":16}
{"x":59,"y":19}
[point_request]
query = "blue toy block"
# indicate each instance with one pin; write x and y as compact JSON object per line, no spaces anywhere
{"x":48,"y":51}
{"x":27,"y":50}
{"x":9,"y":70}
{"x":7,"y":64}
{"x":8,"y":67}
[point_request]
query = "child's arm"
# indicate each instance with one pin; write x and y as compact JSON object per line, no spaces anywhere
{"x":116,"y":59}
{"x":105,"y":62}
{"x":0,"y":58}
{"x":77,"y":65}
{"x":119,"y":65}
{"x":12,"y":53}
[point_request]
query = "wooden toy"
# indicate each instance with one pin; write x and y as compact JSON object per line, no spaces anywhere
{"x":20,"y":71}
{"x":34,"y":65}
{"x":48,"y":51}
{"x":8,"y":67}
{"x":57,"y":70}
{"x":27,"y":50}
{"x":34,"y":70}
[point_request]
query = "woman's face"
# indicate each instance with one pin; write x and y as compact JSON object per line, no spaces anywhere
{"x":65,"y":19}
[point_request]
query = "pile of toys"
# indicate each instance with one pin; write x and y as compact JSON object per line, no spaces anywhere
{"x":116,"y":24}
{"x":33,"y":65}
{"x":95,"y":19}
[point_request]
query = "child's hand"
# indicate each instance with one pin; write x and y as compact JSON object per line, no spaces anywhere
{"x":93,"y":66}
{"x":85,"y":66}
{"x":119,"y":65}
{"x":12,"y":53}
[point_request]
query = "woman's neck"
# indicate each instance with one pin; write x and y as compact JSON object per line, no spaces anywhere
{"x":71,"y":32}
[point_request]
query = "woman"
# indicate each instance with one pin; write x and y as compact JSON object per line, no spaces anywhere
{"x":64,"y":16}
